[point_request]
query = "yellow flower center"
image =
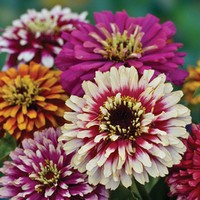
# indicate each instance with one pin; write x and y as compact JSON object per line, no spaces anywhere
{"x":121,"y":47}
{"x":121,"y":117}
{"x":48,"y":176}
{"x":45,"y":26}
{"x":21,"y":91}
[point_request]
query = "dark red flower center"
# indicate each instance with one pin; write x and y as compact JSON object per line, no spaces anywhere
{"x":121,"y":116}
{"x":49,"y":175}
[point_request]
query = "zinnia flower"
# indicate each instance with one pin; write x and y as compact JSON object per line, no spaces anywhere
{"x":125,"y":126}
{"x":30,"y":99}
{"x":118,"y":40}
{"x":36,"y":36}
{"x":41,"y":170}
{"x":192,"y":82}
{"x":184,"y":182}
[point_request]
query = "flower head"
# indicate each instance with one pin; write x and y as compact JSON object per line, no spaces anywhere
{"x":125,"y":126}
{"x":37,"y":36}
{"x":41,"y":170}
{"x":184,"y":182}
{"x":192,"y":82}
{"x":30,"y":99}
{"x":119,"y":40}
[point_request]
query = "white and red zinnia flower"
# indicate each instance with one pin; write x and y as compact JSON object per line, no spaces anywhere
{"x":117,"y":40}
{"x":124,"y":126}
{"x":42,"y":170}
{"x":37,"y":36}
{"x":184,"y":179}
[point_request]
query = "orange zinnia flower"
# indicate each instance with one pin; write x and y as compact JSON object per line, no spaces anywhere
{"x":192,"y":82}
{"x":30,"y":99}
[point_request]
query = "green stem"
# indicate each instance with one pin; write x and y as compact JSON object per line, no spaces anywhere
{"x":140,"y":190}
{"x":134,"y":189}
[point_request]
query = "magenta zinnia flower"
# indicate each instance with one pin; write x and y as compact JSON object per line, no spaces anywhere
{"x":37,"y":36}
{"x":119,"y":40}
{"x":41,"y":170}
{"x":184,"y":182}
{"x":125,"y":126}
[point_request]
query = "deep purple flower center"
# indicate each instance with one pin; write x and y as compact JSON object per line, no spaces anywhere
{"x":121,"y":117}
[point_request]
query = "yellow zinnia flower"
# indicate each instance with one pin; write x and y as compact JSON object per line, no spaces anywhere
{"x":30,"y":99}
{"x":192,"y":82}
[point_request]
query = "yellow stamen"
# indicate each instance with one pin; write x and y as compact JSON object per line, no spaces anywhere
{"x":135,"y":110}
{"x":121,"y":47}
{"x":21,"y":91}
{"x":45,"y":26}
{"x":49,"y":175}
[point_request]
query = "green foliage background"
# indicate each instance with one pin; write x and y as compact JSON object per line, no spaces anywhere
{"x":184,"y":13}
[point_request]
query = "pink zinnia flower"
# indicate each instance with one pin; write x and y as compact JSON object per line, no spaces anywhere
{"x":41,"y":170}
{"x":119,"y":40}
{"x":184,"y":182}
{"x":125,"y":126}
{"x":37,"y":36}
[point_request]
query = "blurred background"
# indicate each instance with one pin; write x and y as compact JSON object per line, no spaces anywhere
{"x":185,"y":15}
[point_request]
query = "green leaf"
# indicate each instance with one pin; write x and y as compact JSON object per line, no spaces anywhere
{"x":7,"y":144}
{"x":122,"y":193}
{"x":152,"y":181}
{"x":197,"y":92}
{"x":160,"y":190}
{"x":141,"y":190}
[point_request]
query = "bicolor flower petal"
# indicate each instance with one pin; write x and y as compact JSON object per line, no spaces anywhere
{"x":36,"y":36}
{"x":42,"y":170}
{"x":125,"y":126}
{"x":183,"y":180}
{"x":31,"y":99}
